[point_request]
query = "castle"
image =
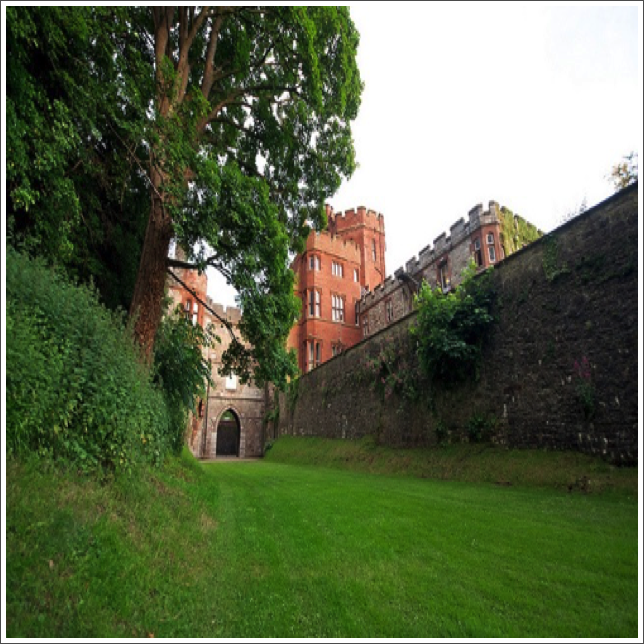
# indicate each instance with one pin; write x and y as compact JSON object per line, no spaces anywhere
{"x":487,"y":237}
{"x":229,"y":421}
{"x":340,"y":276}
{"x":340,"y":280}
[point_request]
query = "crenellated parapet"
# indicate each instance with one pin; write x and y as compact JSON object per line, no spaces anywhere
{"x":231,"y":314}
{"x":460,"y":235}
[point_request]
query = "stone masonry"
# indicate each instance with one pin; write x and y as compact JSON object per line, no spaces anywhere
{"x":440,"y":265}
{"x":567,"y":300}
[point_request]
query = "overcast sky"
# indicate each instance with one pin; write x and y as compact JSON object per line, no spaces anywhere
{"x":464,"y":103}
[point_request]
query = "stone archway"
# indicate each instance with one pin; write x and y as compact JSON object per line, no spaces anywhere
{"x":228,"y":434}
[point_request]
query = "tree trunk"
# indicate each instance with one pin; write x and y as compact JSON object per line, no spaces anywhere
{"x":147,"y":300}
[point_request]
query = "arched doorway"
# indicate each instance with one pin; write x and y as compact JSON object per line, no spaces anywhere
{"x":228,"y":434}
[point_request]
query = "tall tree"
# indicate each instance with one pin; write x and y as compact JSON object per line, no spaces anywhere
{"x":237,"y":120}
{"x":250,"y":134}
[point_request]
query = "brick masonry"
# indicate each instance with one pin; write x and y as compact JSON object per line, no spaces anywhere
{"x":354,"y":243}
{"x":571,"y":295}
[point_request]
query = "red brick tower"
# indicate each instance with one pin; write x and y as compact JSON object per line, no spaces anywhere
{"x":331,"y":274}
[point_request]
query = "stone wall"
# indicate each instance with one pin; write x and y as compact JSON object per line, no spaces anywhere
{"x":569,"y":298}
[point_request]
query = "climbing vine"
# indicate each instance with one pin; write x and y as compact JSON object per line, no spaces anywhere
{"x":451,"y":328}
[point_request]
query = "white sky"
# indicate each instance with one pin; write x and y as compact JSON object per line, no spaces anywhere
{"x":463,"y":103}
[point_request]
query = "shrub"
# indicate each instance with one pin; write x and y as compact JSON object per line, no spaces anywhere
{"x":75,"y":387}
{"x":450,"y":328}
{"x":181,"y":370}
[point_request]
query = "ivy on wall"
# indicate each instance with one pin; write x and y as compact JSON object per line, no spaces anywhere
{"x":516,"y":231}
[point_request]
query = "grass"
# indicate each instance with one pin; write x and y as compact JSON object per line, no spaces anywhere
{"x":269,"y":549}
{"x":476,"y":463}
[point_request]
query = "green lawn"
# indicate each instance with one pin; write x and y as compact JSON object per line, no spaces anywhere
{"x":268,"y":549}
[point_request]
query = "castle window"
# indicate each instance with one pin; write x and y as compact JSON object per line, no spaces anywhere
{"x":443,"y":277}
{"x":373,"y":249}
{"x":389,"y":310}
{"x":318,"y":353}
{"x":356,"y":275}
{"x":338,"y":308}
{"x":478,"y":256}
{"x":188,"y":309}
{"x":317,"y":304}
{"x":195,"y":313}
{"x":337,"y":269}
{"x":491,"y":254}
{"x":490,"y":238}
{"x":314,"y":263}
{"x":311,"y":303}
{"x":311,"y":362}
{"x":336,"y":349}
{"x":357,"y":311}
{"x":365,"y":327}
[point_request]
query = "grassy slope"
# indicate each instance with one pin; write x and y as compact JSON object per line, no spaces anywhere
{"x":461,"y":462}
{"x":273,"y":550}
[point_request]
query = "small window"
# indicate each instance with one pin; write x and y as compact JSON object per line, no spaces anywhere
{"x":317,"y":304}
{"x":443,"y":277}
{"x":373,"y":249}
{"x":356,"y":275}
{"x":314,"y":263}
{"x":318,"y":354}
{"x":357,"y":314}
{"x":365,"y":327}
{"x":188,"y":309}
{"x":337,"y":269}
{"x":491,"y":253}
{"x":231,"y":382}
{"x":311,"y":303}
{"x":490,"y":238}
{"x":478,"y":256}
{"x":338,"y":308}
{"x":389,"y":310}
{"x":311,"y":355}
{"x":195,"y":313}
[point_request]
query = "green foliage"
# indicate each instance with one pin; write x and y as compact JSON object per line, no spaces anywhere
{"x":292,"y":392}
{"x":450,"y":328}
{"x":75,"y":387}
{"x":244,"y":151}
{"x":552,"y":268}
{"x":624,"y":173}
{"x":395,"y":370}
{"x":480,"y":427}
{"x":516,"y":231}
{"x":75,"y":101}
{"x":180,"y":369}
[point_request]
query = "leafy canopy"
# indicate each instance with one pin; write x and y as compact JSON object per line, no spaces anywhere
{"x":237,"y":119}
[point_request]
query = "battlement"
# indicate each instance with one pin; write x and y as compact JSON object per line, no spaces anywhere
{"x":459,"y":231}
{"x":354,"y":217}
{"x":232,"y":314}
{"x":392,"y":283}
{"x":326,"y":242}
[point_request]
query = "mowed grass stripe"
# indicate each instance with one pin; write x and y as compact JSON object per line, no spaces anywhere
{"x":402,"y":556}
{"x":267,"y":549}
